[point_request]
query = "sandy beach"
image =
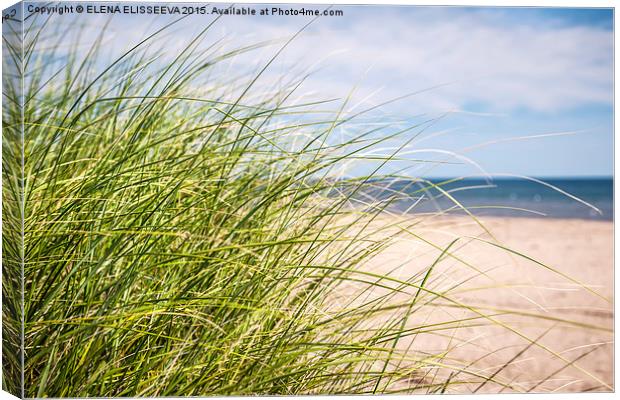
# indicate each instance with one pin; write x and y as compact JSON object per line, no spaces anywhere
{"x":538,"y":317}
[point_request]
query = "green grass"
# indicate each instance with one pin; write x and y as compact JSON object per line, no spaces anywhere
{"x":185,"y":234}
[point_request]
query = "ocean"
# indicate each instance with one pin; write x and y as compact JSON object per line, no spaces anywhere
{"x":504,"y":197}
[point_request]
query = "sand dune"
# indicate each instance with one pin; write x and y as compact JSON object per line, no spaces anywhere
{"x":563,"y":301}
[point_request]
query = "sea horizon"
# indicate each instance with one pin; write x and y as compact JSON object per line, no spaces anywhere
{"x":577,"y":197}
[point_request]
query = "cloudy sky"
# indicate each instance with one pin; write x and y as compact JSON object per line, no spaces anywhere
{"x":526,"y":91}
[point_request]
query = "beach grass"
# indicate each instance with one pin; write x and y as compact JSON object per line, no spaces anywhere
{"x":185,"y":233}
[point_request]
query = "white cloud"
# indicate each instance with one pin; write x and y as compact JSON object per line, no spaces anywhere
{"x":503,"y":66}
{"x":485,"y":58}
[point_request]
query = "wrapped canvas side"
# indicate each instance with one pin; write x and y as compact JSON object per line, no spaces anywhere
{"x":12,"y":201}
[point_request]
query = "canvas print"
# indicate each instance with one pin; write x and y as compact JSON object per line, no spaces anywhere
{"x":211,"y":199}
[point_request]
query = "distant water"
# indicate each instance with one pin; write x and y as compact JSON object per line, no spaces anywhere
{"x":507,"y":197}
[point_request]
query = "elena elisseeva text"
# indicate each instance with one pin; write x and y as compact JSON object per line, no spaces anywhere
{"x":157,"y":9}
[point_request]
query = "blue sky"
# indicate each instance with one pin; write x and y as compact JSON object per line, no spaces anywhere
{"x":525,"y":91}
{"x":528,"y":73}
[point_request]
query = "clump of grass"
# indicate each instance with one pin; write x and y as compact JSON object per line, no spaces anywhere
{"x":184,"y":241}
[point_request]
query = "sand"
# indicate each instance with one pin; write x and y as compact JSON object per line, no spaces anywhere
{"x":513,"y":301}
